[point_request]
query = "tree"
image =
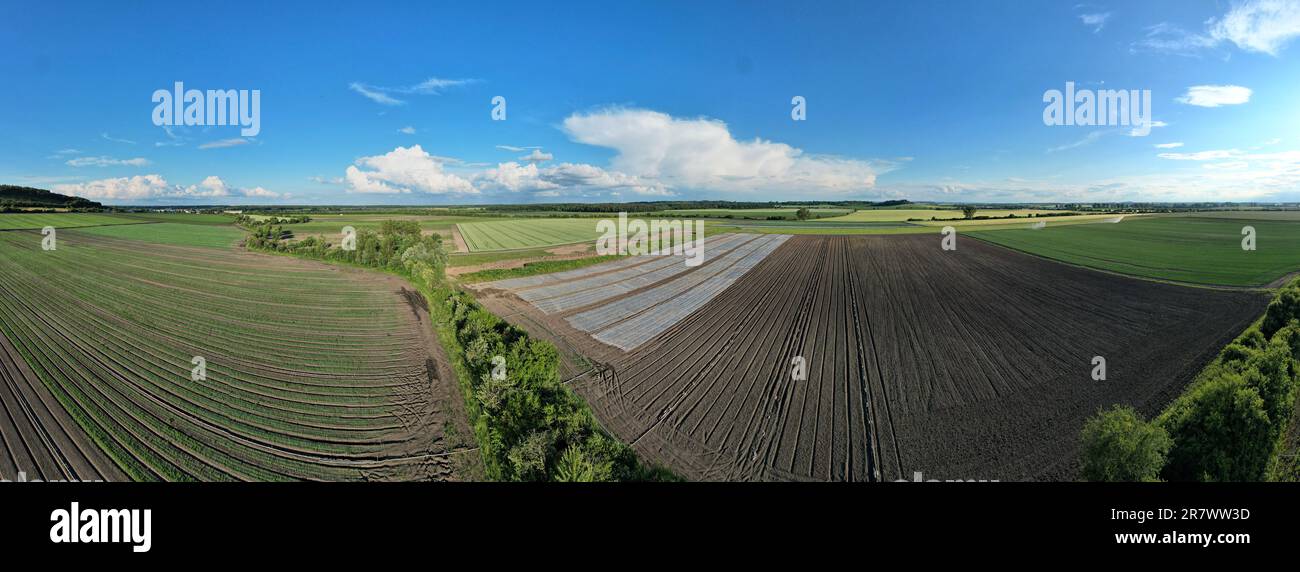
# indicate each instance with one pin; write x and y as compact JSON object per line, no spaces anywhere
{"x":1119,"y":446}
{"x":803,"y":213}
{"x":1284,"y":308}
{"x":1220,"y":431}
{"x":968,"y":211}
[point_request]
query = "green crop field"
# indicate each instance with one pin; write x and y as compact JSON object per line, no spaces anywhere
{"x":185,"y":218}
{"x":172,"y":233}
{"x":62,"y":220}
{"x":526,"y":233}
{"x":784,"y":213}
{"x":1182,"y":248}
{"x":884,"y":215}
{"x":312,"y":371}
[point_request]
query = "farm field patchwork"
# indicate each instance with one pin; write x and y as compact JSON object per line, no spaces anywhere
{"x":1191,"y":249}
{"x":312,"y":371}
{"x":972,"y":364}
{"x":526,"y":233}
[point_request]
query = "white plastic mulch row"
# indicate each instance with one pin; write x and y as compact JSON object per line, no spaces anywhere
{"x":641,"y":328}
{"x":607,"y":314}
{"x":578,"y":293}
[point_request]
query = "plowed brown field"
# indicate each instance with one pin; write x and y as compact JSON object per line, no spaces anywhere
{"x":968,"y":364}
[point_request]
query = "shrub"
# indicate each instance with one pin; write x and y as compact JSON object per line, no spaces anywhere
{"x":1119,"y":446}
{"x":1220,"y":431}
{"x":1284,"y":308}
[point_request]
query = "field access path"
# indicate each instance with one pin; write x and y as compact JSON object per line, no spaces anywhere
{"x":966,"y":364}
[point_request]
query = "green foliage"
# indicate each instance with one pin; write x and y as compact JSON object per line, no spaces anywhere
{"x":803,"y":214}
{"x":1118,"y":445}
{"x":531,"y":426}
{"x":1284,"y":308}
{"x":1220,"y":430}
{"x":968,"y":212}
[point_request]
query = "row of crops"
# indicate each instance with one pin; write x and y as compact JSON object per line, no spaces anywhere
{"x":308,"y":372}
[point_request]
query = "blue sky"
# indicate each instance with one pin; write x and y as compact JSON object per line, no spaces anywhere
{"x":611,"y":101}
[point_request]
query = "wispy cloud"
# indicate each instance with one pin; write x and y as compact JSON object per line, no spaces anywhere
{"x":1215,"y":95}
{"x":408,"y":130}
{"x":1173,"y":145}
{"x":102,"y":161}
{"x":514,"y":149}
{"x":1096,"y":20}
{"x":222,"y":143}
{"x":115,"y":139}
{"x":385,"y":95}
{"x":1261,"y":26}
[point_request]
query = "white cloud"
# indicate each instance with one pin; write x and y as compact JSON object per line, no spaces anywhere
{"x":702,"y":154}
{"x":1215,"y":95}
{"x":102,"y":161}
{"x":408,"y":130}
{"x":514,"y":149}
{"x":537,"y":156}
{"x":223,"y":143}
{"x":116,"y":140}
{"x":382,"y":95}
{"x":1096,"y":21}
{"x":1201,"y":155}
{"x":374,"y":95}
{"x":1140,"y":132}
{"x":149,"y":187}
{"x":1173,"y":145}
{"x":1263,"y":26}
{"x":66,"y":152}
{"x":404,"y":170}
{"x":121,"y":188}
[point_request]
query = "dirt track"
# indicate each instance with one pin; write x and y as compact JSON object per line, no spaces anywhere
{"x":972,"y":364}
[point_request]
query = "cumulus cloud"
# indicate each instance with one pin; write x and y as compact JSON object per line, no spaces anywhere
{"x":404,"y":170}
{"x":702,"y":154}
{"x":153,"y":186}
{"x":537,"y":156}
{"x":1215,"y":95}
{"x":103,"y":161}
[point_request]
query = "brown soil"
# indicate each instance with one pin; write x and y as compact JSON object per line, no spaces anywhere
{"x":972,"y":364}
